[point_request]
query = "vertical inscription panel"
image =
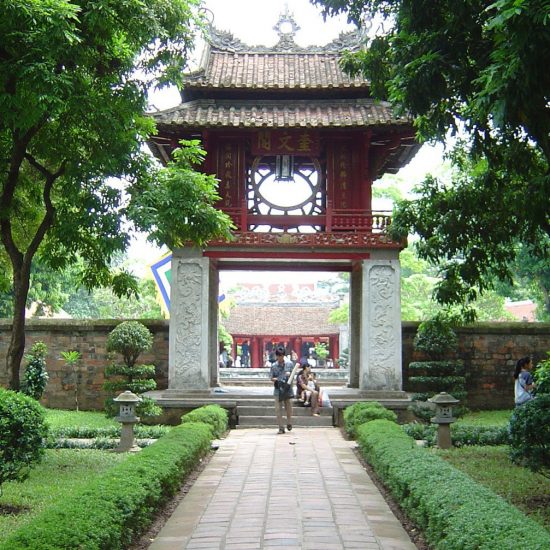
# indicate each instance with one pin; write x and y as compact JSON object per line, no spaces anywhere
{"x":381,"y":326}
{"x":188,"y":327}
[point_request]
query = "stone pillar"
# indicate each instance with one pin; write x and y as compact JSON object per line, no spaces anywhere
{"x":355,"y":320}
{"x":380,"y":361}
{"x":193,"y":339}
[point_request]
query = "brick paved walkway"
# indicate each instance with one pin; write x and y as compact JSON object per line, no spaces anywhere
{"x":302,"y":490}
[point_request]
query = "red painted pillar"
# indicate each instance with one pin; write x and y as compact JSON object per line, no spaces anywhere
{"x":255,"y":359}
{"x":334,"y":350}
{"x":297,"y":346}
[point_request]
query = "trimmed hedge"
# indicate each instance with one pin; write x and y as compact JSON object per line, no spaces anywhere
{"x":117,"y":507}
{"x":453,"y":511}
{"x":213,"y":415}
{"x":461,"y":434}
{"x":87,"y":432}
{"x":365,"y":411}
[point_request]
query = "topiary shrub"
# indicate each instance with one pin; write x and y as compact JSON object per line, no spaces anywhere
{"x":530,"y":435}
{"x":35,"y":377}
{"x":130,"y":339}
{"x":212,"y":415}
{"x":436,"y":338}
{"x":365,"y":411}
{"x":23,"y":432}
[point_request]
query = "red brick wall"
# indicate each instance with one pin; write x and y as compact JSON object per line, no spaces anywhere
{"x":489,"y":352}
{"x":89,"y":338}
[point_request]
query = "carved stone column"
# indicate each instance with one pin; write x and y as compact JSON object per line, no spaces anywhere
{"x":381,"y":326}
{"x":192,"y":361}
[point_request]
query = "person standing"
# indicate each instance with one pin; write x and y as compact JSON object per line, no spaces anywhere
{"x":524,"y":384}
{"x":282,"y":391}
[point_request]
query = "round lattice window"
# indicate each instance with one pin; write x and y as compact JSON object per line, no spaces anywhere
{"x":301,"y":193}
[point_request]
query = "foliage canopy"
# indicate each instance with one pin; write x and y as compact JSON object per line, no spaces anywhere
{"x":475,"y":69}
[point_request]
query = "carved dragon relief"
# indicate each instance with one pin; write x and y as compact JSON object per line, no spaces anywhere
{"x":188,"y":321}
{"x":381,"y":374}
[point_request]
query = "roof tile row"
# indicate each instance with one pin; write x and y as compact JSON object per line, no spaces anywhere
{"x":281,"y":114}
{"x":273,"y":70}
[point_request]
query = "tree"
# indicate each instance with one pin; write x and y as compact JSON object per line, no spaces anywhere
{"x":477,"y":68}
{"x":73,"y":92}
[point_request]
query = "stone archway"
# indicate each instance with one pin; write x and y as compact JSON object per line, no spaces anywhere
{"x":375,"y":322}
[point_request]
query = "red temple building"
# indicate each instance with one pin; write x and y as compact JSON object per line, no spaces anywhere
{"x":296,"y":145}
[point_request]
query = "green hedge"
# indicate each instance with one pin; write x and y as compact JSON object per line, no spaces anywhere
{"x":461,"y":434}
{"x":213,"y":415}
{"x":365,"y":411}
{"x":453,"y":511}
{"x":115,"y":508}
{"x":87,"y":432}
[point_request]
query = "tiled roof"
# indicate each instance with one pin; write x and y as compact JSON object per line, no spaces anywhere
{"x":279,"y":114}
{"x":280,"y":320}
{"x":278,"y":71}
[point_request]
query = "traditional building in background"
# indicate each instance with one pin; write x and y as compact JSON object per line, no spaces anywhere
{"x":296,"y":144}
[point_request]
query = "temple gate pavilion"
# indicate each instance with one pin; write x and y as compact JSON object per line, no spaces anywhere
{"x":296,"y":144}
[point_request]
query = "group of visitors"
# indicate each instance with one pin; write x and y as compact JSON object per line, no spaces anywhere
{"x":308,"y":391}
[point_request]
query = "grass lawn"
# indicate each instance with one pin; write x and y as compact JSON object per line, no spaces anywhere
{"x":491,"y":467}
{"x":62,"y":472}
{"x":486,"y":418}
{"x":57,"y":418}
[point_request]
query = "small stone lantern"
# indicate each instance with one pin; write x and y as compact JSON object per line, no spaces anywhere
{"x":127,"y":417}
{"x":443,"y":418}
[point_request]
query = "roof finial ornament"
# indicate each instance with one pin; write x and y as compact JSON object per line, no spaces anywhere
{"x":286,"y":27}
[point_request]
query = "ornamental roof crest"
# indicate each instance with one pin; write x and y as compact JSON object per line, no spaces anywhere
{"x":286,"y":27}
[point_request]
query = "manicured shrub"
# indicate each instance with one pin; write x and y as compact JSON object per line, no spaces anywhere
{"x":35,"y":377}
{"x":212,"y":415}
{"x":130,"y":339}
{"x":542,"y":376}
{"x":87,"y":432}
{"x":436,"y":338}
{"x":365,"y":411}
{"x":453,"y":511}
{"x":530,"y":435}
{"x":114,"y":509}
{"x":461,"y":435}
{"x":23,"y":431}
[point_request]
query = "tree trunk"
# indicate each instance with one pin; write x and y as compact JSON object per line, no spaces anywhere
{"x":21,"y":282}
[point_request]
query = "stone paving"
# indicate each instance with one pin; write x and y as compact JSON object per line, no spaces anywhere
{"x":301,"y":490}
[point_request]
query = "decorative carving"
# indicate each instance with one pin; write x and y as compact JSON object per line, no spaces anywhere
{"x":322,"y":240}
{"x":381,"y":373}
{"x":187,"y":315}
{"x":224,"y":40}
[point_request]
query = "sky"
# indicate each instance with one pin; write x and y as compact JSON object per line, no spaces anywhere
{"x":252,"y":22}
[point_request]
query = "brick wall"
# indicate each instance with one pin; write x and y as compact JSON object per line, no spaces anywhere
{"x":89,"y":338}
{"x":489,"y":352}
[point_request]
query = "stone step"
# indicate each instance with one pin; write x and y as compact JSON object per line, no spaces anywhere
{"x":270,"y":421}
{"x":259,"y":410}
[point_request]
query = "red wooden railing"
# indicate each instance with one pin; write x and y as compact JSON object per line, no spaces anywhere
{"x":349,"y":220}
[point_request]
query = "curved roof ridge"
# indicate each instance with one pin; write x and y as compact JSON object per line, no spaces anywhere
{"x":226,"y":41}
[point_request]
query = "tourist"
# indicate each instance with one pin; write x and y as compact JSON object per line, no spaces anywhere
{"x":282,"y":390}
{"x":310,"y":396}
{"x":524,"y":385}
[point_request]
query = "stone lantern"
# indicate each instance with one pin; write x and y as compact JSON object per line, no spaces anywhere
{"x":443,"y":418}
{"x":127,"y":417}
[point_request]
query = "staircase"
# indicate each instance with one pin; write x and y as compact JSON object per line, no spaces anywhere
{"x":260,"y":413}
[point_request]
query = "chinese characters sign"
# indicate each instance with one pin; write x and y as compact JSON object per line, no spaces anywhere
{"x":286,"y":142}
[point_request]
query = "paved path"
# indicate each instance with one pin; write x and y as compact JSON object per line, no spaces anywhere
{"x":302,"y":490}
